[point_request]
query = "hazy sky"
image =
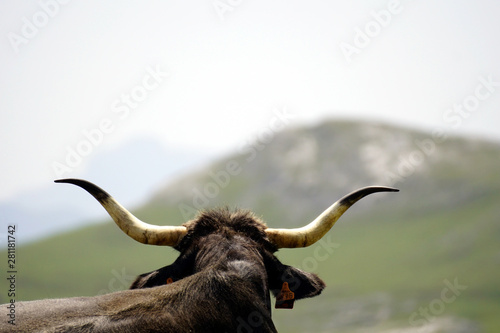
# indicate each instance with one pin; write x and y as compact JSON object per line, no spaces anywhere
{"x":84,"y":76}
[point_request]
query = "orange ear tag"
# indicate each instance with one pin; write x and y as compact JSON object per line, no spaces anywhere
{"x":170,"y":280}
{"x":285,"y":298}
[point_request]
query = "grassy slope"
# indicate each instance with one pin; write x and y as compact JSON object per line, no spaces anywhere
{"x":400,"y":267}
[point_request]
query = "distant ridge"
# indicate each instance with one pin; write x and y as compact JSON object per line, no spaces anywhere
{"x":313,"y":165}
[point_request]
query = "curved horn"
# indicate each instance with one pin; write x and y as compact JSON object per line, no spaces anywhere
{"x":311,"y":233}
{"x":131,"y":225}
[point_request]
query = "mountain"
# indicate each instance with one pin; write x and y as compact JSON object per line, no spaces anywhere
{"x":313,"y":165}
{"x":134,"y":169}
{"x":425,"y":259}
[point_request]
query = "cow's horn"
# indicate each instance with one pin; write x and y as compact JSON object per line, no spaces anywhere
{"x":142,"y":232}
{"x":311,"y":233}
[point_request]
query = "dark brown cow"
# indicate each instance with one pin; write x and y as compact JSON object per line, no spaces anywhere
{"x":221,"y":281}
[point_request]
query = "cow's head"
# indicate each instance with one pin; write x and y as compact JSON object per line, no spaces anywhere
{"x":222,"y":242}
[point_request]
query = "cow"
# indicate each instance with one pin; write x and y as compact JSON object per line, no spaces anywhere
{"x":220,"y":282}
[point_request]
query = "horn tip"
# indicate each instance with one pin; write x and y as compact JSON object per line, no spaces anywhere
{"x":68,"y":180}
{"x":93,"y":189}
{"x":383,"y":188}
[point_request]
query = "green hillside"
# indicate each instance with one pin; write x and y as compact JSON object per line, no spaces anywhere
{"x":426,"y":259}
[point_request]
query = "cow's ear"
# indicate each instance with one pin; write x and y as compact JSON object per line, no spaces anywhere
{"x":301,"y":283}
{"x":181,"y":268}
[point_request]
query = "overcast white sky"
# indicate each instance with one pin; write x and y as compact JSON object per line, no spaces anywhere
{"x":69,"y":67}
